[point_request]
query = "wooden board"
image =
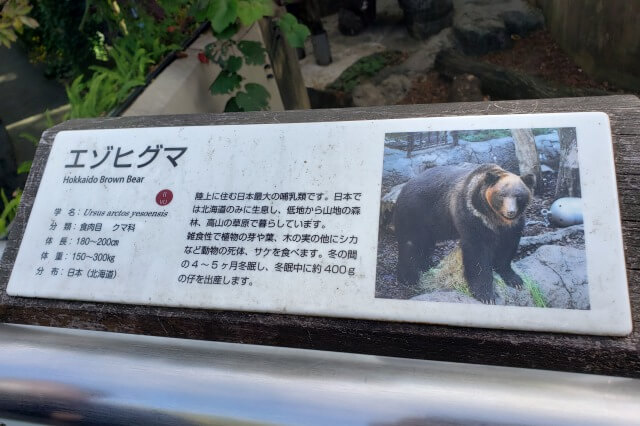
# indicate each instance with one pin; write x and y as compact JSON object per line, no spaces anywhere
{"x":603,"y":355}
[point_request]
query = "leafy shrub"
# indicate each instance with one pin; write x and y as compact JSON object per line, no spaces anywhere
{"x":73,"y":34}
{"x":9,"y":210}
{"x":13,"y":20}
{"x":108,"y":87}
{"x":226,"y":17}
{"x":66,"y":37}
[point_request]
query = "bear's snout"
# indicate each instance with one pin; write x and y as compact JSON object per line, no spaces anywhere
{"x":510,"y":208}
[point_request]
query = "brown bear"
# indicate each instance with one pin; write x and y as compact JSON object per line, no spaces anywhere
{"x":481,"y":205}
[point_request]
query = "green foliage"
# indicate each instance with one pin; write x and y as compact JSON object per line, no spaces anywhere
{"x":254,"y":53}
{"x":66,"y":37}
{"x":24,"y":167}
{"x":74,"y":35}
{"x":9,"y":210}
{"x":365,"y":67}
{"x":229,"y":32}
{"x":226,"y":17}
{"x":231,"y":13}
{"x":10,"y":207}
{"x":90,"y":99}
{"x":538,"y":298}
{"x":100,"y":48}
{"x":108,"y":87}
{"x":130,"y":63}
{"x":225,"y":82}
{"x":13,"y":19}
{"x":295,"y":32}
{"x":249,"y":11}
{"x":232,"y":105}
{"x":254,"y":98}
{"x":487,"y":135}
{"x":484,"y":135}
{"x":233,"y":64}
{"x":148,"y":40}
{"x":29,"y":137}
{"x":221,"y":13}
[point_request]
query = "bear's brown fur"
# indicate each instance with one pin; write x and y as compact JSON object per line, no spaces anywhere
{"x":482,"y":205}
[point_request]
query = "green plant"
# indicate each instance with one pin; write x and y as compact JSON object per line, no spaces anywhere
{"x":107,"y":87}
{"x":9,"y":209}
{"x":10,"y":206}
{"x":145,"y":40}
{"x":367,"y":66}
{"x":25,"y":166}
{"x":486,"y":135}
{"x":66,"y":40}
{"x":530,"y":285}
{"x":13,"y":20}
{"x":483,"y":135}
{"x":130,"y":65}
{"x":155,"y":37}
{"x":536,"y":293}
{"x":73,"y":35}
{"x":91,"y":98}
{"x":227,"y":17}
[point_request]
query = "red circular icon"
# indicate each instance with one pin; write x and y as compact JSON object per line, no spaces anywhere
{"x":164,"y":197}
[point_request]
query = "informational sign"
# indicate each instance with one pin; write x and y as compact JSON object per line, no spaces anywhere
{"x":431,"y":220}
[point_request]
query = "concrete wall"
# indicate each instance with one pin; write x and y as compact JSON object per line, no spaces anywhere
{"x":602,"y":36}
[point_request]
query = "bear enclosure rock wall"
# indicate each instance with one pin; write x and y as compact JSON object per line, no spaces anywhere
{"x":500,"y":151}
{"x":602,"y":36}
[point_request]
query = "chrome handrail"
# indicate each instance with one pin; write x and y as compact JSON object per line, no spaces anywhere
{"x":50,"y":375}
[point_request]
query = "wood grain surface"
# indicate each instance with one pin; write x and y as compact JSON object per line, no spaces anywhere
{"x":579,"y":353}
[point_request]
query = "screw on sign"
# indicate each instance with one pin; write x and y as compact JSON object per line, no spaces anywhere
{"x":164,"y":197}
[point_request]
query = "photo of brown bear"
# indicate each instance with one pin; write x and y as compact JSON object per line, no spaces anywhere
{"x":465,"y":218}
{"x":481,"y":205}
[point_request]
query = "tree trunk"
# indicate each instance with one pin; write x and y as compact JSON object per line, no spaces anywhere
{"x":527,"y":154}
{"x":568,"y":183}
{"x":454,"y":136}
{"x":411,"y":140}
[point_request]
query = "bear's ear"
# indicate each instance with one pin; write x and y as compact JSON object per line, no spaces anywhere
{"x":530,"y":180}
{"x":491,"y":177}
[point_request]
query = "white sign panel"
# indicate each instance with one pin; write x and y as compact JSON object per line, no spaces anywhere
{"x":287,"y":218}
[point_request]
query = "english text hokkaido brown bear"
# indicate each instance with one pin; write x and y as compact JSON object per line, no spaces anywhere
{"x":482,"y":205}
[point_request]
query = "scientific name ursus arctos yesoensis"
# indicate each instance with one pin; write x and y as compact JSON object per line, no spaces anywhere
{"x":482,"y":205}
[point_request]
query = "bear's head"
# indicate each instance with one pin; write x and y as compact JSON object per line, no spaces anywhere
{"x":508,"y":194}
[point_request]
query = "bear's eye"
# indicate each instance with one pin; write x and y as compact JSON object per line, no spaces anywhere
{"x":522,"y":201}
